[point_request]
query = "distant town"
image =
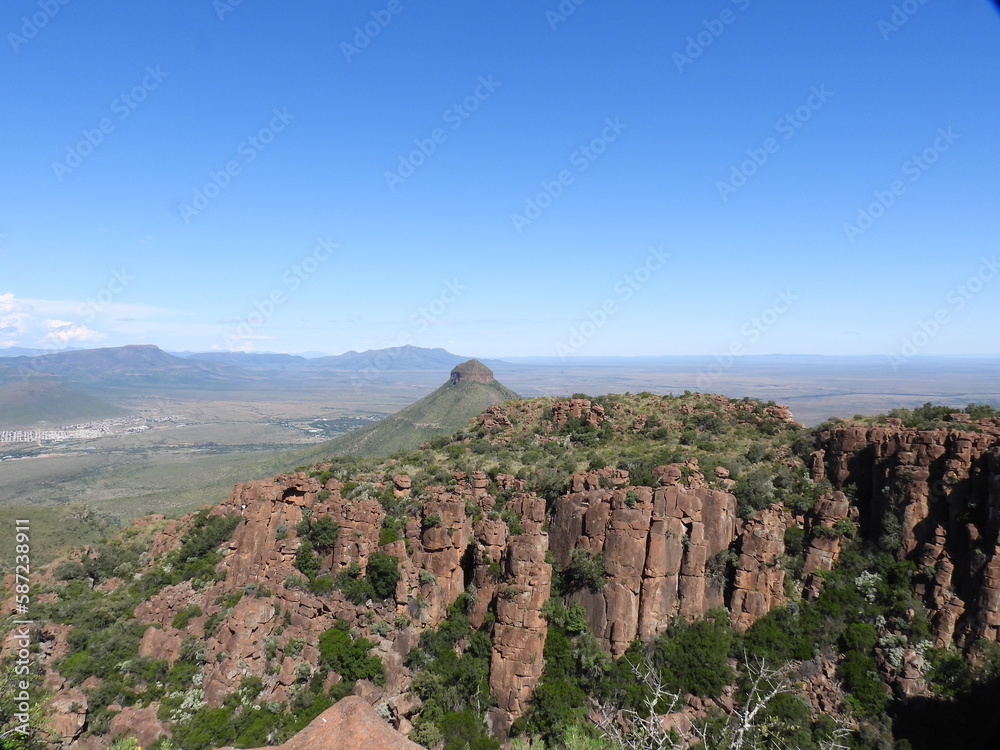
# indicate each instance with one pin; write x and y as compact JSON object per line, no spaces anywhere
{"x":86,"y":430}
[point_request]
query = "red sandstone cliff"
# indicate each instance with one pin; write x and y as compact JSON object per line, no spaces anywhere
{"x":677,"y":549}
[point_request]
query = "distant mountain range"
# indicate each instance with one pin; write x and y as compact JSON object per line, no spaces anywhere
{"x":70,"y":385}
{"x":394,"y":359}
{"x":124,"y":365}
{"x":150,"y":364}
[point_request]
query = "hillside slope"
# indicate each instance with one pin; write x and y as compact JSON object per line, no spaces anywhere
{"x":440,"y":413}
{"x":40,"y":399}
{"x":510,"y":579}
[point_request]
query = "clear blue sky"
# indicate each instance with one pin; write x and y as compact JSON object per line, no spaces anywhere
{"x":107,"y":244}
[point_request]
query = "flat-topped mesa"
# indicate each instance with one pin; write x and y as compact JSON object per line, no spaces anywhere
{"x":472,"y":371}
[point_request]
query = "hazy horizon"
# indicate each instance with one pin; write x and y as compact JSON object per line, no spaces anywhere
{"x":525,"y":358}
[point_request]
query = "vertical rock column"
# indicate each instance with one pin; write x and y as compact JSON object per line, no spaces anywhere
{"x":659,"y":599}
{"x":442,"y":546}
{"x":625,"y":559}
{"x":519,"y":635}
{"x":823,"y":549}
{"x":759,"y":583}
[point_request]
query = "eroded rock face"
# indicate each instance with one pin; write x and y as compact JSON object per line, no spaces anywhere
{"x":67,"y":712}
{"x":519,"y":635}
{"x":577,"y":408}
{"x":759,"y":583}
{"x":824,"y":547}
{"x":656,"y":546}
{"x":263,"y":614}
{"x":677,"y":549}
{"x":931,"y":496}
{"x":349,"y":724}
{"x":140,"y":723}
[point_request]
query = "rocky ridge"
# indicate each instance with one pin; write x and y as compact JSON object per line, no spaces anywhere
{"x":678,"y":548}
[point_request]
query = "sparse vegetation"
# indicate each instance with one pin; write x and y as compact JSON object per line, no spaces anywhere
{"x":866,"y":609}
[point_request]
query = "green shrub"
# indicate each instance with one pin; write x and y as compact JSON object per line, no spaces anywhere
{"x":321,"y":585}
{"x":586,"y":570}
{"x":950,"y":674}
{"x":754,"y":490}
{"x":355,"y":587}
{"x":859,"y":674}
{"x":693,"y":658}
{"x":323,"y":533}
{"x":207,"y":535}
{"x":184,"y":616}
{"x":780,"y":636}
{"x":306,"y":560}
{"x":464,"y":730}
{"x":513,"y":522}
{"x":349,"y":656}
{"x":388,"y":534}
{"x":383,"y":574}
{"x":795,"y":540}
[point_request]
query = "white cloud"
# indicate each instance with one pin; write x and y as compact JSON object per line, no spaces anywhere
{"x":14,"y":317}
{"x":64,"y":332}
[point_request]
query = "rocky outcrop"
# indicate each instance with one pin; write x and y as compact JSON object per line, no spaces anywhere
{"x":258,"y":609}
{"x":141,"y":723}
{"x":519,"y":635}
{"x":824,"y":539}
{"x":651,"y":554}
{"x":349,"y":724}
{"x":578,"y":408}
{"x":67,"y":712}
{"x":931,"y":496}
{"x":444,"y":534}
{"x":760,"y":581}
{"x":472,"y":371}
{"x":655,"y":544}
{"x":676,"y":550}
